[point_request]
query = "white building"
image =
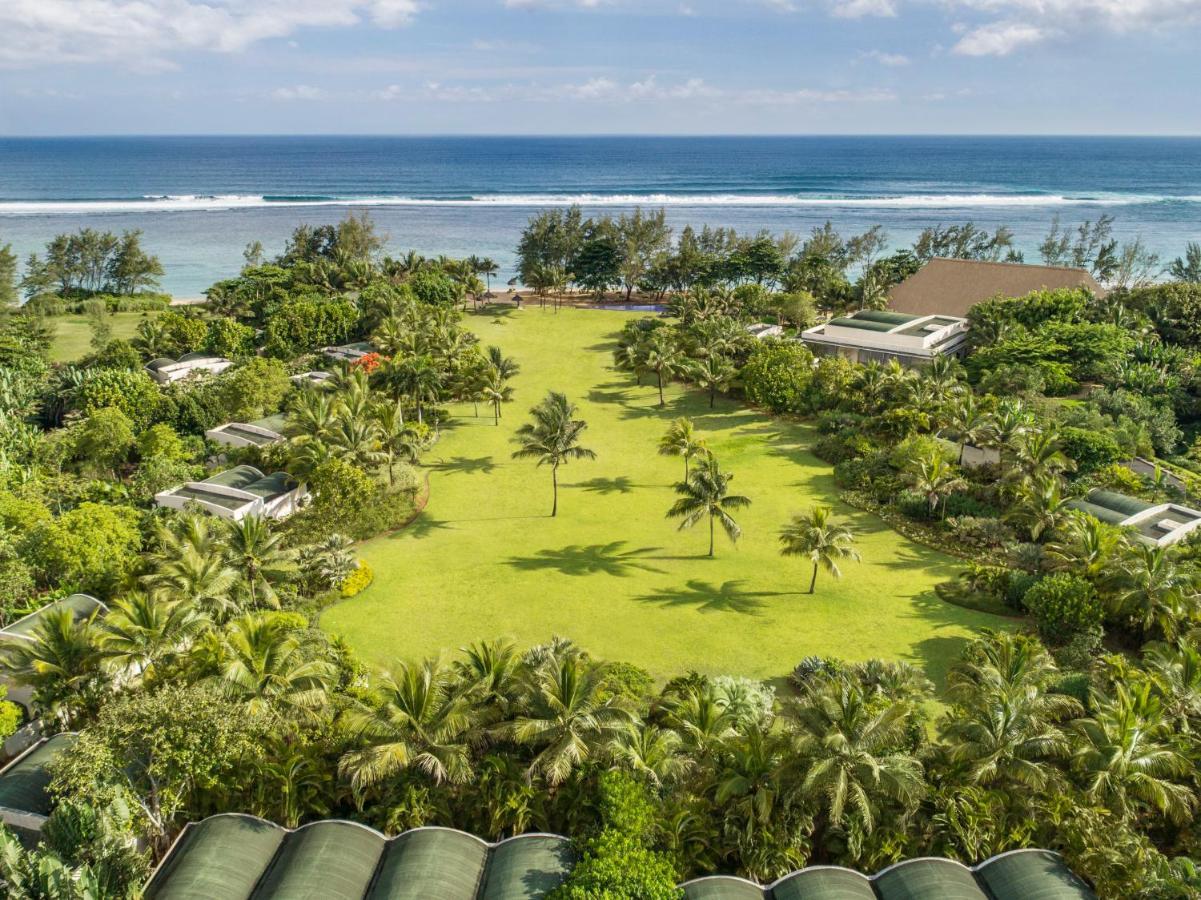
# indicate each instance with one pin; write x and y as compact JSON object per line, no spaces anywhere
{"x":1157,"y":524}
{"x":315,"y":379}
{"x":258,"y":433}
{"x":348,"y":352}
{"x":237,"y":493}
{"x":761,"y":330}
{"x":882,"y":335}
{"x":166,"y":371}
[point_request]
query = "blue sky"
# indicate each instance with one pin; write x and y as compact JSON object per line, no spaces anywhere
{"x":599,"y":66}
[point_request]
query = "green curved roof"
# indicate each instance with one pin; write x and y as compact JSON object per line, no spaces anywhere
{"x":23,"y":784}
{"x":238,"y":857}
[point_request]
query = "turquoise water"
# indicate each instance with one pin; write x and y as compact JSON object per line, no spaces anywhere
{"x":200,"y":200}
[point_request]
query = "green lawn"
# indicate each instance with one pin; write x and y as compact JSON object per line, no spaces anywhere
{"x":72,"y":334}
{"x":485,"y":559}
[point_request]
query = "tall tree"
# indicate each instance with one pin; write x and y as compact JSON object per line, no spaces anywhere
{"x":553,"y":438}
{"x":817,"y":537}
{"x":681,"y":440}
{"x":706,"y":494}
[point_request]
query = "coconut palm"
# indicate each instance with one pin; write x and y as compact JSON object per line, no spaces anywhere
{"x":1041,"y":506}
{"x":845,"y":758}
{"x":61,"y":663}
{"x":505,"y":365}
{"x":142,"y":634}
{"x":417,"y":716}
{"x":553,"y":438}
{"x":263,"y":666}
{"x":313,"y":414}
{"x":651,"y":752}
{"x":190,"y":566}
{"x":416,"y":378}
{"x":824,"y":542}
{"x":490,"y":670}
{"x":935,"y":479}
{"x":1009,"y":421}
{"x":495,"y":389}
{"x":681,"y":439}
{"x":969,"y":422}
{"x":1153,"y":590}
{"x":398,"y":440}
{"x":712,"y":373}
{"x":260,"y":558}
{"x":355,"y":438}
{"x":569,"y":719}
{"x":1127,"y":759}
{"x":1176,"y":673}
{"x":1038,"y":453}
{"x":706,"y":493}
{"x":1086,"y":547}
{"x":663,"y":357}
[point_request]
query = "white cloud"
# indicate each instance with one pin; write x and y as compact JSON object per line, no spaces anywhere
{"x":999,"y":39}
{"x":859,"y":9}
{"x":146,"y":33}
{"x":886,"y":59}
{"x":299,"y":92}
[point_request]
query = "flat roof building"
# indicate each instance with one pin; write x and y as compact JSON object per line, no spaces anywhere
{"x":349,"y":352}
{"x":237,"y":493}
{"x":1157,"y":524}
{"x":25,"y":802}
{"x":165,"y":370}
{"x":259,"y":433}
{"x":315,"y":378}
{"x":883,"y":335}
{"x":951,"y":287}
{"x":761,"y":330}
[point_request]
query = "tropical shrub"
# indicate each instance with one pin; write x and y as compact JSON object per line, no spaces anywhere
{"x":1063,"y":605}
{"x":777,"y":374}
{"x":358,"y":580}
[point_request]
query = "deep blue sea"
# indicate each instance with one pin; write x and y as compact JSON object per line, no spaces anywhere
{"x":200,"y":200}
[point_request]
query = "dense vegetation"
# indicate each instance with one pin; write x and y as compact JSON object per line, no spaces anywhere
{"x":208,"y":686}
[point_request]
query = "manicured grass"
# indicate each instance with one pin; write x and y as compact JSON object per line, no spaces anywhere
{"x":485,"y":559}
{"x":72,"y":334}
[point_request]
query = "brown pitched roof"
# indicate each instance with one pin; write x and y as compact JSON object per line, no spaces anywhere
{"x":953,"y":286}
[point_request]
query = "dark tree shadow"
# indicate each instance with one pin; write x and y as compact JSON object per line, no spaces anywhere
{"x":615,"y":396}
{"x":423,"y":526}
{"x":729,"y":596}
{"x":593,"y":559}
{"x":484,"y":465}
{"x":619,"y":485}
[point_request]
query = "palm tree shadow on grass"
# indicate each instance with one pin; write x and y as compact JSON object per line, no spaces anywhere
{"x":592,"y":559}
{"x":619,"y":485}
{"x":424,"y":526}
{"x":464,"y":465}
{"x":729,"y":596}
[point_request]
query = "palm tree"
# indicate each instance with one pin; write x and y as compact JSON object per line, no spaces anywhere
{"x":496,"y":391}
{"x":191,"y":567}
{"x":935,"y":479}
{"x":355,"y":438}
{"x":1086,"y":547}
{"x":143,"y":633}
{"x":505,"y":365}
{"x":569,"y":719}
{"x":490,"y":670}
{"x":416,"y":716}
{"x":844,"y":753}
{"x":398,"y":440}
{"x":262,"y":665}
{"x":699,"y":717}
{"x":1008,"y":422}
{"x":61,"y":663}
{"x":489,"y":269}
{"x":416,"y":378}
{"x":651,"y":752}
{"x":969,"y":423}
{"x":1038,"y":453}
{"x":663,"y":357}
{"x":260,"y":558}
{"x":1176,"y":672}
{"x":1004,"y":727}
{"x":1041,"y":506}
{"x":313,"y":414}
{"x":823,"y":541}
{"x":553,"y":438}
{"x":681,"y":439}
{"x":712,"y":373}
{"x":706,"y":494}
{"x":1150,"y":588}
{"x":1127,"y":758}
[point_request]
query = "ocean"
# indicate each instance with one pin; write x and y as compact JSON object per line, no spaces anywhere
{"x":200,"y":200}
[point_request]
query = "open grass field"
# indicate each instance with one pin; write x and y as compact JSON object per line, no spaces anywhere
{"x":485,"y":559}
{"x":72,"y":333}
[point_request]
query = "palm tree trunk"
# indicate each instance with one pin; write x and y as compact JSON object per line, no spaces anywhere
{"x":685,"y":468}
{"x":813,"y":580}
{"x":712,"y":395}
{"x":495,"y":412}
{"x":661,"y":400}
{"x":962,"y":447}
{"x":710,"y":535}
{"x":554,"y":478}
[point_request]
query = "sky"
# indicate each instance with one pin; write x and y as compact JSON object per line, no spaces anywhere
{"x":599,"y":66}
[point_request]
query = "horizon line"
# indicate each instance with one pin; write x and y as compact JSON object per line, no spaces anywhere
{"x":607,"y":134}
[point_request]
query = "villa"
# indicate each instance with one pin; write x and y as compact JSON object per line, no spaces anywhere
{"x":165,"y":370}
{"x":348,"y":352}
{"x":951,"y":287}
{"x":237,"y":493}
{"x":761,"y":330}
{"x":881,"y":335}
{"x":25,"y":800}
{"x":1155,"y":524}
{"x":259,"y":433}
{"x":315,"y":378}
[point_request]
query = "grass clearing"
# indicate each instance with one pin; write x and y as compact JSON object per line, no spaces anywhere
{"x":72,"y":333}
{"x":485,"y":559}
